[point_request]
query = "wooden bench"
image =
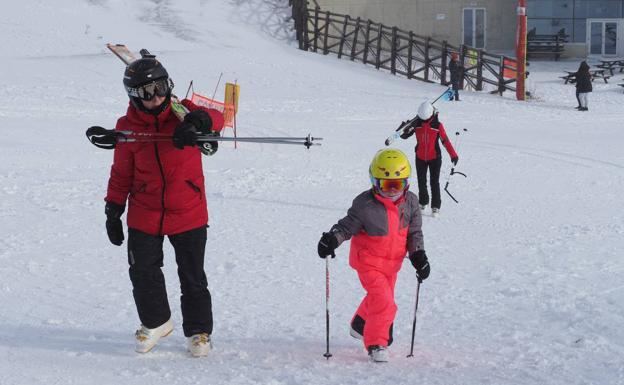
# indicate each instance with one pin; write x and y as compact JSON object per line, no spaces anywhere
{"x":548,"y":45}
{"x":612,"y":65}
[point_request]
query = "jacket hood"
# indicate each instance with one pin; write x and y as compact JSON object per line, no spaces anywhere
{"x":584,"y":66}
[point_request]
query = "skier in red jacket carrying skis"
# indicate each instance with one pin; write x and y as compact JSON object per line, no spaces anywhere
{"x":384,"y":224}
{"x":429,"y":133}
{"x":163,"y":183}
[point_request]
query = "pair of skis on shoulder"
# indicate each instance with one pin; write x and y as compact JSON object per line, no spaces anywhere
{"x":108,"y":139}
{"x":446,"y":95}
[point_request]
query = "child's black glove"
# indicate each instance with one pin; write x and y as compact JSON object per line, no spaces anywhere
{"x":420,"y":263}
{"x":327,"y":245}
{"x":454,"y":160}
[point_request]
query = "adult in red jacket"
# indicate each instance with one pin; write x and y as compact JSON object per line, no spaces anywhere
{"x":429,"y":133}
{"x":384,"y":223}
{"x":163,"y":183}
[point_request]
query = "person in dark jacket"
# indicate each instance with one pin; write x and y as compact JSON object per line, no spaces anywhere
{"x":163,"y":183}
{"x":456,"y":70}
{"x":583,"y":85}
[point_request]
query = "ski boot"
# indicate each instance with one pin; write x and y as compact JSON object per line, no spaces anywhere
{"x":435,"y":211}
{"x":146,"y":338}
{"x":378,"y":353}
{"x":199,"y":344}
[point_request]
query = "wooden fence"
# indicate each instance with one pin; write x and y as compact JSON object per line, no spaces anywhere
{"x":398,"y":51}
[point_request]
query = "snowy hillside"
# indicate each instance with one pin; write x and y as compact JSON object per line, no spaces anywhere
{"x":526,"y":284}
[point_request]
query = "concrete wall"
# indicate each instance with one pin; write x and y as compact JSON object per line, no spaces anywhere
{"x":440,"y":19}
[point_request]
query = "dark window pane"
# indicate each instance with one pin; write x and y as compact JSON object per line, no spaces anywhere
{"x":468,"y":25}
{"x":480,"y":28}
{"x":596,"y":39}
{"x":580,"y":31}
{"x":610,"y":38}
{"x":550,"y":8}
{"x":597,"y":8}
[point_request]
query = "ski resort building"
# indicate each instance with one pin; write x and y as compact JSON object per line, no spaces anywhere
{"x":591,"y":27}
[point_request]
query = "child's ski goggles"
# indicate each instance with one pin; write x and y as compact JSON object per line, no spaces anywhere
{"x":391,"y":185}
{"x":159,"y":87}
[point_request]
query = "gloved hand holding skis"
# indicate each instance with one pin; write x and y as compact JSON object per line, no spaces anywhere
{"x":195,"y":123}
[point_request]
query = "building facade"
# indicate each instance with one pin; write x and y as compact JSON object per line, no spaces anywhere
{"x":594,"y":27}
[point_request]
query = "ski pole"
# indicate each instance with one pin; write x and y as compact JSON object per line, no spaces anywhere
{"x":411,"y":353}
{"x":108,"y":139}
{"x":453,"y":172}
{"x":327,"y":353}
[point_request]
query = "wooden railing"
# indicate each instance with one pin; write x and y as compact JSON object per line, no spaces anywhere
{"x":400,"y":52}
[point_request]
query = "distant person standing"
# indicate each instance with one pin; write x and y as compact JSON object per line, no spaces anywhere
{"x":456,"y":74}
{"x":583,"y":85}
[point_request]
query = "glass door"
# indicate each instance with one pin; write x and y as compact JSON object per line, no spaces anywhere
{"x":474,"y":27}
{"x":602,"y":37}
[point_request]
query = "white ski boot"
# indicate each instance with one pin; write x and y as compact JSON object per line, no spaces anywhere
{"x":146,"y":338}
{"x":435,"y":212}
{"x":378,"y":353}
{"x":199,"y":344}
{"x":423,"y":207}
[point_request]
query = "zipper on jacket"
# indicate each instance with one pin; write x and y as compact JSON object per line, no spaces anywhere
{"x":162,"y":175}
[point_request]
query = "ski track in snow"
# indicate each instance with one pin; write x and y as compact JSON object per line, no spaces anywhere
{"x":526,"y":281}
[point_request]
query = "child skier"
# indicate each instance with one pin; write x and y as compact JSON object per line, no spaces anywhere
{"x":385,"y":223}
{"x":429,"y":132}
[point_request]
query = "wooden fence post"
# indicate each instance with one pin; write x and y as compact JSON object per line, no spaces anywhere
{"x":409,"y":55}
{"x":480,"y":70}
{"x":444,"y":67}
{"x":326,"y":35}
{"x":501,"y":76}
{"x":355,"y":37}
{"x":427,"y":58}
{"x":393,"y":52}
{"x":316,"y":29}
{"x":366,"y":42}
{"x":462,"y":60}
{"x":378,"y":56}
{"x":342,"y":38}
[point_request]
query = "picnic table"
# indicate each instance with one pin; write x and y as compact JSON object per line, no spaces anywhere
{"x":594,"y":73}
{"x":610,"y":65}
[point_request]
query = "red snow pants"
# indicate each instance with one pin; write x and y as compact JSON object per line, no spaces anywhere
{"x":378,"y":308}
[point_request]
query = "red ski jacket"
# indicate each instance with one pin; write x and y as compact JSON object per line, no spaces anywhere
{"x":427,"y":144}
{"x":164,"y":186}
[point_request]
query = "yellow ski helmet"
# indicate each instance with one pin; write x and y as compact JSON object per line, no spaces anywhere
{"x":390,"y":171}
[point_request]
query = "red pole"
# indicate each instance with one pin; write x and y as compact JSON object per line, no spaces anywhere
{"x":521,"y":41}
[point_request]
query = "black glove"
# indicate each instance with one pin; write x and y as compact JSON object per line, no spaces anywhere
{"x":195,"y":123}
{"x":327,"y":245}
{"x":114,"y":228}
{"x":454,"y":160}
{"x":420,"y":263}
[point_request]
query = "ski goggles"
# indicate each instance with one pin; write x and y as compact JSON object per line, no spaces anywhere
{"x":159,"y":87}
{"x":391,"y":185}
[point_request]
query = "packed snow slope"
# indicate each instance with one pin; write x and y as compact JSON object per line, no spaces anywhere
{"x":526,"y":284}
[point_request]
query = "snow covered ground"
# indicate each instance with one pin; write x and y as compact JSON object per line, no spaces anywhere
{"x":526,"y":284}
